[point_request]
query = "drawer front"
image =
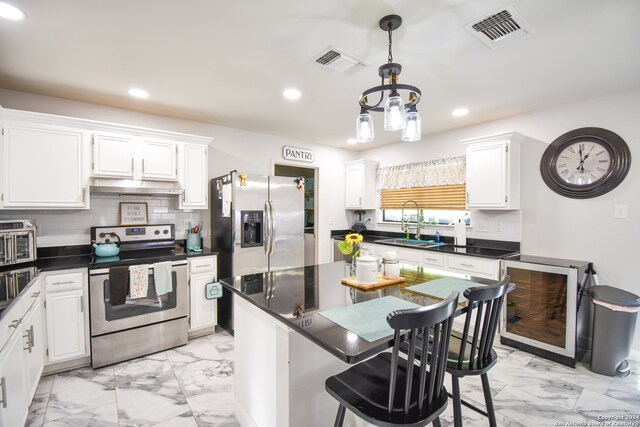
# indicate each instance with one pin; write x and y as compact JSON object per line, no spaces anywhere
{"x":433,"y":259}
{"x":10,"y":322}
{"x":63,"y":282}
{"x":474,"y":266}
{"x":33,"y":294}
{"x":202,"y":265}
{"x":411,"y":256}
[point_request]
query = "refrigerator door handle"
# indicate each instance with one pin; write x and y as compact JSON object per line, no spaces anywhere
{"x":267,"y":229}
{"x":273,"y":229}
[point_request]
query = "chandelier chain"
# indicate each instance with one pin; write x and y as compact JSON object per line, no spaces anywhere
{"x":390,"y":59}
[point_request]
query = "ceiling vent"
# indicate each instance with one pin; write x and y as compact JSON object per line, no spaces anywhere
{"x":499,"y":27}
{"x":340,"y":61}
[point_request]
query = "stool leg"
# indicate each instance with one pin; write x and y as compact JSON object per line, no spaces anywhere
{"x":457,"y":406}
{"x":436,"y":422}
{"x":486,"y":389}
{"x":340,"y":416}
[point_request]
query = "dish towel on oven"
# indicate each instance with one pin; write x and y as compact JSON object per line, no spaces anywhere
{"x":118,"y":285}
{"x":162,"y":277}
{"x":138,"y":280}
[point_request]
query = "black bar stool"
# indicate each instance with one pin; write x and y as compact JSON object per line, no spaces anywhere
{"x":388,"y":390}
{"x":471,"y":353}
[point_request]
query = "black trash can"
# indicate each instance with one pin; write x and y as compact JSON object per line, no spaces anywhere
{"x":614,"y":323}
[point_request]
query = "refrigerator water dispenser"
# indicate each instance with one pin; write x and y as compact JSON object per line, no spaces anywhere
{"x":251,"y":229}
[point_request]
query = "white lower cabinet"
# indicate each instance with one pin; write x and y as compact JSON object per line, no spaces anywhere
{"x":34,"y":347}
{"x":473,"y":266}
{"x":21,"y":358}
{"x":13,"y":381}
{"x":202,"y":311}
{"x":67,"y":315}
{"x":65,"y":325}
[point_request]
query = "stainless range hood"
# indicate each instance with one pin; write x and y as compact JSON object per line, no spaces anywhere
{"x":134,"y":187}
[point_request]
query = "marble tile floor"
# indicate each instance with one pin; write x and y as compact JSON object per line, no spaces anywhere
{"x":193,"y":386}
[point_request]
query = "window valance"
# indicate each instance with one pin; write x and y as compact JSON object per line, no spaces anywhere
{"x":448,"y":171}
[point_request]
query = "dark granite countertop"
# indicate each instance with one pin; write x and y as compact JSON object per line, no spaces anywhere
{"x":63,"y":258}
{"x":29,"y":271}
{"x":492,"y":249}
{"x":317,"y":288}
{"x":557,"y":262}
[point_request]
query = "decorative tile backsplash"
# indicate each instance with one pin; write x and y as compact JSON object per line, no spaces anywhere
{"x":71,"y":227}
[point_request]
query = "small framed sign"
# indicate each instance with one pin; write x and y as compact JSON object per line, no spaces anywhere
{"x":133,"y":213}
{"x":297,"y":154}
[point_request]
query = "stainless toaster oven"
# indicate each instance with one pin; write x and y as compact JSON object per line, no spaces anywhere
{"x":17,"y":241}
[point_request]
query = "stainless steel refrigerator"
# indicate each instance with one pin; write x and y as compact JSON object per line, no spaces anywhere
{"x":257,"y":225}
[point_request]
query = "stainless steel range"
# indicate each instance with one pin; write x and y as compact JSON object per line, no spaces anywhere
{"x":127,"y":324}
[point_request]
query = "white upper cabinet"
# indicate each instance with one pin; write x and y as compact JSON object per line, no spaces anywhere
{"x":360,"y":184}
{"x":159,"y":160}
{"x":194,"y":176}
{"x":113,"y":155}
{"x":44,"y":167}
{"x":50,"y":162}
{"x":493,"y":171}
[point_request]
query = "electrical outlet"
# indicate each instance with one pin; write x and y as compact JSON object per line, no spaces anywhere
{"x":481,"y":227}
{"x":499,"y":227}
{"x":620,"y":211}
{"x":330,"y":220}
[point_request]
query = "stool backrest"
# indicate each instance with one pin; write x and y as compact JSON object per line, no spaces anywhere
{"x":433,"y":320}
{"x":485,"y":306}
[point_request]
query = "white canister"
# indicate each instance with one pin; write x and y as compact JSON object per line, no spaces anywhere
{"x":367,"y":270}
{"x":390,"y":269}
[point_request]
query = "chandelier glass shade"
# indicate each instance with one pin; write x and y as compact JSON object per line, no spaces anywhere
{"x":411,"y":131}
{"x":399,"y":113}
{"x":364,"y":128}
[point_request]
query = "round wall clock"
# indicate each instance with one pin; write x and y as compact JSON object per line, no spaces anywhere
{"x":585,"y":163}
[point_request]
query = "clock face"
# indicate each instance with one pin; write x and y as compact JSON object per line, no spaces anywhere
{"x":583,"y":163}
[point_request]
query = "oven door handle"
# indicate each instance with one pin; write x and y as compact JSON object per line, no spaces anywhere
{"x":99,"y":271}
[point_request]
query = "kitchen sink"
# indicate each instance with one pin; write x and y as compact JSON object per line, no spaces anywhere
{"x":410,"y":242}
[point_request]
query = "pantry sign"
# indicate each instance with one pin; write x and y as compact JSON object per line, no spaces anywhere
{"x":297,"y":154}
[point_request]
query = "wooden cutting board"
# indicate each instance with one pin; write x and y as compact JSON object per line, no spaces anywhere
{"x":381,"y":282}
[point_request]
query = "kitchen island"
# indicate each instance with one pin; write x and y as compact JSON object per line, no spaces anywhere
{"x":285,"y":347}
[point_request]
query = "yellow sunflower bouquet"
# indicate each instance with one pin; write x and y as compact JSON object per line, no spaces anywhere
{"x":351,"y":244}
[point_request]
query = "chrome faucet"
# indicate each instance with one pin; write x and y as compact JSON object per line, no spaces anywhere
{"x":405,"y":226}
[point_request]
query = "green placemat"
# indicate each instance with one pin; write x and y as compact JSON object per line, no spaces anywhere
{"x":442,"y":288}
{"x":368,"y":319}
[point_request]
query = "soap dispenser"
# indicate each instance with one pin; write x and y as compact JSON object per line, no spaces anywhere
{"x":437,"y":237}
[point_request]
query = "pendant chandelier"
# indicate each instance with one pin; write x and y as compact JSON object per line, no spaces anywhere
{"x":398,"y":114}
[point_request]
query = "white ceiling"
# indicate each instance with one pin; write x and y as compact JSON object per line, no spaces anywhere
{"x":227,"y":62}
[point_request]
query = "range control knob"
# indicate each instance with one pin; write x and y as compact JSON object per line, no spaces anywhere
{"x":166,"y":231}
{"x":157,"y":232}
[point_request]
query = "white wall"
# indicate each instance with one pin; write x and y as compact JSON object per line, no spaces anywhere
{"x":552,"y":225}
{"x":231,"y":148}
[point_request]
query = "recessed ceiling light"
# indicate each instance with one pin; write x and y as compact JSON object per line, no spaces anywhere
{"x":291,"y":93}
{"x":138,"y":93}
{"x":460,"y":112}
{"x":352,"y":141}
{"x":9,"y":11}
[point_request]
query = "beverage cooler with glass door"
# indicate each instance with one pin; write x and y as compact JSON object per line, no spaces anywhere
{"x":548,"y":313}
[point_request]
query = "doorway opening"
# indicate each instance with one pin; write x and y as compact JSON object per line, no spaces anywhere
{"x":310,"y":175}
